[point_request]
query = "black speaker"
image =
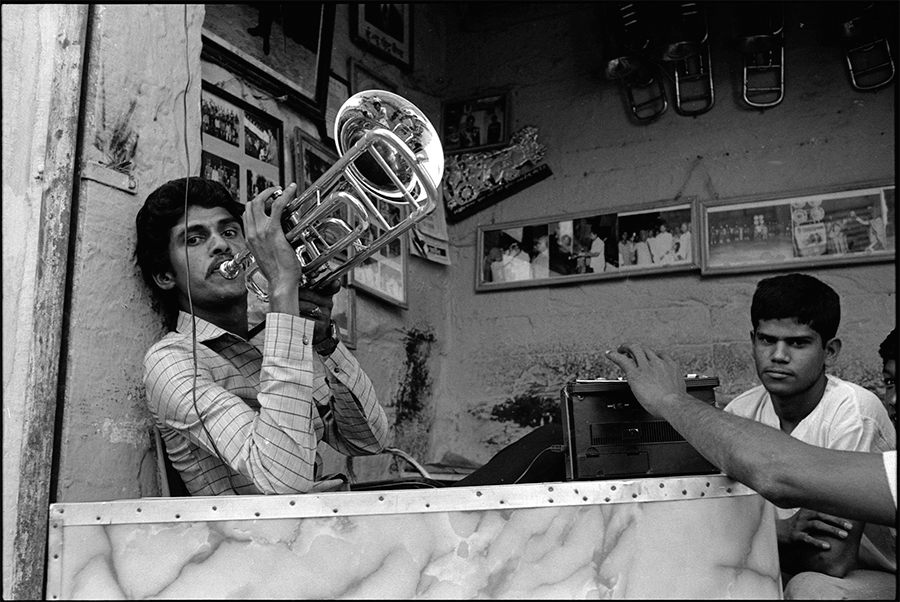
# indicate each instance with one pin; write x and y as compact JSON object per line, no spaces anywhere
{"x":609,"y":435}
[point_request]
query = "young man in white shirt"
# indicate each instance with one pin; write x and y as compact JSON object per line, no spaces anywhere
{"x":784,"y":470}
{"x":795,"y":318}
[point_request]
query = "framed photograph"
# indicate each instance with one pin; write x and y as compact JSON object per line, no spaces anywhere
{"x":311,"y":159}
{"x":362,"y":78}
{"x":853,"y":225}
{"x":249,"y":40}
{"x":384,"y":29}
{"x":384,"y":274}
{"x":475,"y":123}
{"x":653,"y":239}
{"x":429,"y":238}
{"x":242,"y":146}
{"x":344,"y":315}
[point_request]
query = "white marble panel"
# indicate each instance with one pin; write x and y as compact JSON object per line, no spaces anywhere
{"x":694,"y":537}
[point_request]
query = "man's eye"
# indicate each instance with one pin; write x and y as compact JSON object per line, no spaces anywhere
{"x":194,"y":240}
{"x":889,"y":382}
{"x":230,"y":232}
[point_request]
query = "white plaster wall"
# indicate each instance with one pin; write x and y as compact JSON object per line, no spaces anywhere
{"x":27,"y":74}
{"x":141,"y":61}
{"x":824,"y":133}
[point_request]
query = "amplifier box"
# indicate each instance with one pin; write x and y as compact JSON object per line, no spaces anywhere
{"x":609,"y":435}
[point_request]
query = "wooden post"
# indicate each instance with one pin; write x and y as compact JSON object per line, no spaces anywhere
{"x":60,"y":164}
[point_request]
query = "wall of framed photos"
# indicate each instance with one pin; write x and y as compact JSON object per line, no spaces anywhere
{"x":847,"y":225}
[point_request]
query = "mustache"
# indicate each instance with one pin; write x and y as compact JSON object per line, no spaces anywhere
{"x":214,"y":266}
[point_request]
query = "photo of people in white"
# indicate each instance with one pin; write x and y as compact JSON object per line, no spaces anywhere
{"x":603,"y":244}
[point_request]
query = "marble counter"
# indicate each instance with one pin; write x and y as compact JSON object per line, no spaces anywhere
{"x":687,"y":537}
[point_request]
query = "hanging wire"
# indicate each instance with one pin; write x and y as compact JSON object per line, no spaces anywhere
{"x":187,"y":263}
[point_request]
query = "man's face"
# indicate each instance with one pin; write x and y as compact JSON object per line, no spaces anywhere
{"x":790,"y":358}
{"x":212,"y":236}
{"x":889,"y":373}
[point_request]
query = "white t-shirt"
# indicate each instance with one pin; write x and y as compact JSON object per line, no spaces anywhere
{"x":848,"y":418}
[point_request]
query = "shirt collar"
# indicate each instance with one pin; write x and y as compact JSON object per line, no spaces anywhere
{"x":206,"y":331}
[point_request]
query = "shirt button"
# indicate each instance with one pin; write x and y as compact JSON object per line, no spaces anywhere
{"x":305,"y":340}
{"x":337,"y":369}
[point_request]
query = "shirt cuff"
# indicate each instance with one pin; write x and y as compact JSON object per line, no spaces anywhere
{"x":289,"y":336}
{"x":340,"y":361}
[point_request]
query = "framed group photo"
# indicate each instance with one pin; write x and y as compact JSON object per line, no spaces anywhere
{"x":385,"y":29}
{"x":242,"y":146}
{"x":475,"y":124}
{"x":659,"y":238}
{"x":853,"y":225}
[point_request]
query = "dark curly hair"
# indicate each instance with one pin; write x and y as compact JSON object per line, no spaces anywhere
{"x":804,"y":298}
{"x":162,"y":210}
{"x":888,"y":348}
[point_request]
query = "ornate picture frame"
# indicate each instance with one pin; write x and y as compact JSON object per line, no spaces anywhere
{"x":385,"y":30}
{"x":242,"y":146}
{"x":579,"y":248}
{"x":844,"y":225}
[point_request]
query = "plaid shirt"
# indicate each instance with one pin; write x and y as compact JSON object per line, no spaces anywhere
{"x":266,"y":403}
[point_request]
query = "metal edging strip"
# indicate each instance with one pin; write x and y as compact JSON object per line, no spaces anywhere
{"x":54,"y":559}
{"x":450,"y":499}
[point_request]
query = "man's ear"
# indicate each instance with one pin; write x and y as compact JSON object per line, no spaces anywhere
{"x":164,"y":280}
{"x":832,"y":351}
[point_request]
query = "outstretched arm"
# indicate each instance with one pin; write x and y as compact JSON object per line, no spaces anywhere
{"x":785,"y":471}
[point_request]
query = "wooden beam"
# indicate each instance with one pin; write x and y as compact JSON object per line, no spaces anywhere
{"x":61,"y":155}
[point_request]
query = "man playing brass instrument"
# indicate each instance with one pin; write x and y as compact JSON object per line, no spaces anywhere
{"x":240,"y":411}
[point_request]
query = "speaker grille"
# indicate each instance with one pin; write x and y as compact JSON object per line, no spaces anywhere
{"x":633,"y":433}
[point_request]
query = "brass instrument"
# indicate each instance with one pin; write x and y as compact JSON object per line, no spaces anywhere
{"x":389,"y":153}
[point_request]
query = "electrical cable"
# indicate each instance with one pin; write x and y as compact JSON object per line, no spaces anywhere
{"x":553,"y":448}
{"x":187,"y":263}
